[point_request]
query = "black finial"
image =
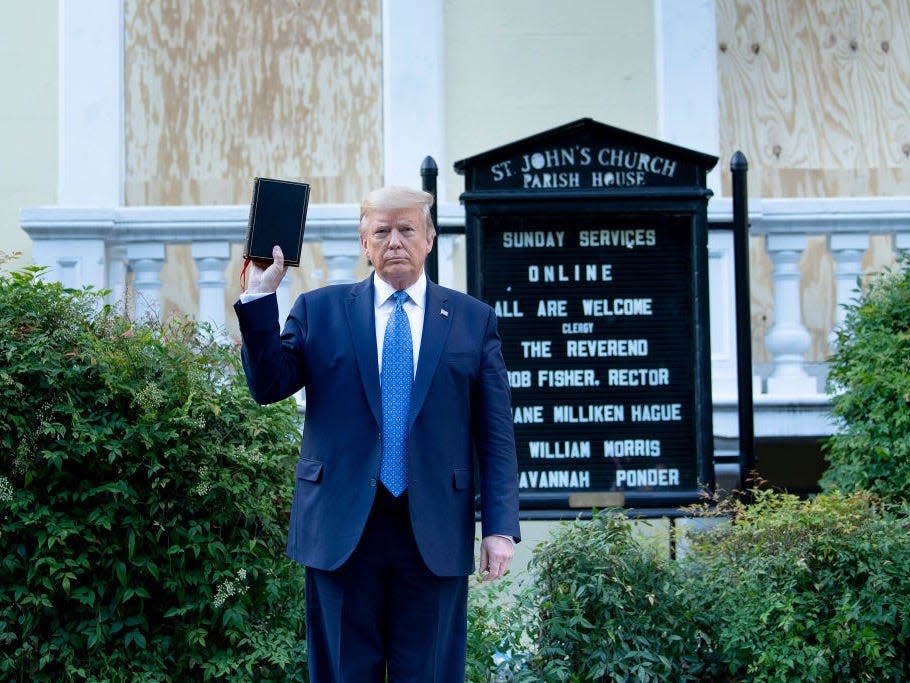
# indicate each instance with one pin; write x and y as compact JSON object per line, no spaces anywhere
{"x":738,"y":162}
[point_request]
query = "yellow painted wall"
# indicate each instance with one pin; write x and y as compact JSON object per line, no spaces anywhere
{"x":28,"y":116}
{"x":517,"y":67}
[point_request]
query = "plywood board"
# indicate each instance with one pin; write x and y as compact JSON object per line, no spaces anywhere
{"x":220,"y":92}
{"x":814,"y":94}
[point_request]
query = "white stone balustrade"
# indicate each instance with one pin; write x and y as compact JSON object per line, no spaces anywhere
{"x":848,"y":224}
{"x":101,"y":247}
{"x":337,"y":228}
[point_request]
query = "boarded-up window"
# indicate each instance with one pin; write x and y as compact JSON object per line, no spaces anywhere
{"x":219,"y":92}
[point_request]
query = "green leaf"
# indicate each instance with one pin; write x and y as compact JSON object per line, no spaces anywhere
{"x":134,"y":638}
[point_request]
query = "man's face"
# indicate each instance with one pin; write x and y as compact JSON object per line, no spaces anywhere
{"x":397,"y":244}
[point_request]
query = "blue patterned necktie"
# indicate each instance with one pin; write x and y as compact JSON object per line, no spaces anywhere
{"x":395,"y":381}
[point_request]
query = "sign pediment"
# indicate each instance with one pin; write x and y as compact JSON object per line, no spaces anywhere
{"x":585,"y":156}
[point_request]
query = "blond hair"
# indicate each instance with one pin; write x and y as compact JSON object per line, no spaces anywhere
{"x":396,"y":197}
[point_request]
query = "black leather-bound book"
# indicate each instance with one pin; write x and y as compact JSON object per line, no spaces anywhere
{"x":277,"y":216}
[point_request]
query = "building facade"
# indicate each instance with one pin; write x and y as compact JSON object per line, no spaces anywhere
{"x":134,"y":128}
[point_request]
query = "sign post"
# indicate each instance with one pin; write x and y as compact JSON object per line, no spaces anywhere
{"x":591,"y":245}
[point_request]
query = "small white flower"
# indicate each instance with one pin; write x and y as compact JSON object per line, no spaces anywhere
{"x":205,"y":484}
{"x":149,"y":397}
{"x":6,"y":489}
{"x":252,"y":455}
{"x":229,"y":588}
{"x":225,"y":590}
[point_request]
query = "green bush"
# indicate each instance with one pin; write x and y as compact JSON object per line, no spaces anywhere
{"x":806,"y":590}
{"x":781,"y":590}
{"x":143,"y":501}
{"x":869,"y":378}
{"x":599,"y":607}
{"x":496,"y":622}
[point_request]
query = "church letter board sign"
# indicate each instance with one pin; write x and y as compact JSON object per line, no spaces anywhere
{"x":591,"y":245}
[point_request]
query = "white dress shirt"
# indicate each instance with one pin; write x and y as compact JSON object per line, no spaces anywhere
{"x":414,"y":307}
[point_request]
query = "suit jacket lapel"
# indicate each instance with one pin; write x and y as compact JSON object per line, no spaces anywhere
{"x":361,"y":318}
{"x":436,"y":324}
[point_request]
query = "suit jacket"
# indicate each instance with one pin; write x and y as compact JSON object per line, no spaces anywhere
{"x":460,"y":410}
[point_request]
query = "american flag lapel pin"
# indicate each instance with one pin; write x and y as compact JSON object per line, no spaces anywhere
{"x":443,"y":312}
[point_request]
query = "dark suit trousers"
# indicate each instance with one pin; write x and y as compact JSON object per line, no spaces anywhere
{"x":383,"y":612}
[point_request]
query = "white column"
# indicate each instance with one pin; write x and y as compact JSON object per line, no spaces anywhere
{"x":211,"y":259}
{"x":788,"y":339}
{"x":413,"y":90}
{"x":91,"y":103}
{"x":687,"y":101}
{"x":847,"y":250}
{"x":145,"y":261}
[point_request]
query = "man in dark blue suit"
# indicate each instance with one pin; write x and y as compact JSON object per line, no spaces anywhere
{"x":408,"y":415}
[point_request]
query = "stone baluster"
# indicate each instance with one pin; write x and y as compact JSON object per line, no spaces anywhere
{"x":211,"y":259}
{"x":902,"y":241}
{"x":116,"y":276}
{"x":447,"y":248}
{"x":146,"y":260}
{"x":847,"y":250}
{"x":341,"y":254}
{"x":283,"y":295}
{"x":788,"y":340}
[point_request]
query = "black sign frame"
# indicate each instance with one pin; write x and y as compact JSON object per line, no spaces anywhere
{"x":491,"y":212}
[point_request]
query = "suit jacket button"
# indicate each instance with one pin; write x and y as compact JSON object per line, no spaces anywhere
{"x":373,"y":482}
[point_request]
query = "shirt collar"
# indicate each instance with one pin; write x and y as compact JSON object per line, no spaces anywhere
{"x":382,"y":290}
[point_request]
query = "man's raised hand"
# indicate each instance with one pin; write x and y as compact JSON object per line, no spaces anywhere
{"x":266,"y":280}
